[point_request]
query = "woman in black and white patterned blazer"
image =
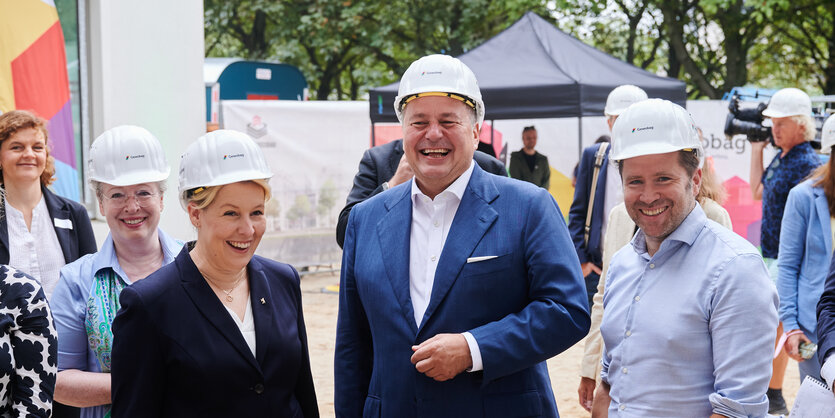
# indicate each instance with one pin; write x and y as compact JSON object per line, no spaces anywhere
{"x":28,"y":347}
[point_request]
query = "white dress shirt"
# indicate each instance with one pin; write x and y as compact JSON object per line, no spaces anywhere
{"x":431,"y":221}
{"x":36,"y":252}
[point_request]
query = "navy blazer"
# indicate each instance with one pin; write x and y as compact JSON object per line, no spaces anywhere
{"x":178,"y":353}
{"x":580,"y":206}
{"x":522,"y":307}
{"x":826,"y":317}
{"x":379,"y":164}
{"x":75,"y":242}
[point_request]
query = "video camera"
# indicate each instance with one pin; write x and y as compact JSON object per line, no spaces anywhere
{"x":746,"y":121}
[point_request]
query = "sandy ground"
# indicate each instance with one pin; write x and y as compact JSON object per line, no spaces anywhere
{"x":320,"y":316}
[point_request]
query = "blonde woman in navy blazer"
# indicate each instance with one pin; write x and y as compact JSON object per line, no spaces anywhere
{"x":219,"y":332}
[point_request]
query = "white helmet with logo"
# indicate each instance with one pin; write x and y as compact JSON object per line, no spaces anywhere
{"x":654,"y":126}
{"x":439,"y":75}
{"x":127,"y":155}
{"x":621,"y":97}
{"x":788,"y":102}
{"x":221,"y":157}
{"x":828,"y":135}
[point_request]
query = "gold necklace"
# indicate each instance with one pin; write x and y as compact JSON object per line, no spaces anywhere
{"x":228,"y":293}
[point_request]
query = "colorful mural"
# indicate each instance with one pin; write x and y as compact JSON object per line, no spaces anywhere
{"x":33,"y":76}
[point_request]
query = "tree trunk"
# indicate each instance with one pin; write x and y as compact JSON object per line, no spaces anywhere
{"x":674,"y":21}
{"x":736,"y":53}
{"x":829,"y":68}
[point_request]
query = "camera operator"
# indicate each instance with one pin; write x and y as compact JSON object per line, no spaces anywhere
{"x":790,"y":111}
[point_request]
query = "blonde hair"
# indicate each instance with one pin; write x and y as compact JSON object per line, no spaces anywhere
{"x":808,"y":124}
{"x":825,"y":180}
{"x":711,"y":188}
{"x":202,"y":197}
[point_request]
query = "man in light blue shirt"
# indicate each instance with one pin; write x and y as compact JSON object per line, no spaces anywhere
{"x":690,"y":313}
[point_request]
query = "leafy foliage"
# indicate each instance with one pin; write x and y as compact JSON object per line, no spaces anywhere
{"x":345,"y":47}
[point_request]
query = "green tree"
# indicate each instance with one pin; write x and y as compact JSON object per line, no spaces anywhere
{"x":345,"y":47}
{"x":801,"y":47}
{"x":327,"y":197}
{"x":301,"y":208}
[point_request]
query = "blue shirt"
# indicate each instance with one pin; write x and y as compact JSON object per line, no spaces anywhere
{"x":69,"y":306}
{"x":781,"y":175}
{"x":690,"y":330}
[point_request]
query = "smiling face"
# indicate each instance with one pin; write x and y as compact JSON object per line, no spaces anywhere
{"x":132,"y":212}
{"x":439,"y":139}
{"x":659,"y":194}
{"x":230,"y":228}
{"x":23,"y":156}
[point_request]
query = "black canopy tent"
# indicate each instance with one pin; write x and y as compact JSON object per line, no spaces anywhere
{"x":534,"y":70}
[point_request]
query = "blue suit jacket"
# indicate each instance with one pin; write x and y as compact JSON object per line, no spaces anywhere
{"x":805,"y":250}
{"x":178,"y":353}
{"x":523,"y":307}
{"x":580,"y":206}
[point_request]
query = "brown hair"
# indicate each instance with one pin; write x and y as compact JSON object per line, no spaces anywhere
{"x":824,"y":175}
{"x":17,"y":120}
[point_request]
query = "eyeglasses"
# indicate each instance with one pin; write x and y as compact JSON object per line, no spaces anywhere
{"x":142,"y":197}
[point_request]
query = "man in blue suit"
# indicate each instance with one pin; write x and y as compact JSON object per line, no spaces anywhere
{"x":457,"y":285}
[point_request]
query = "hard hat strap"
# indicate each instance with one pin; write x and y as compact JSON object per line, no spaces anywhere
{"x":466,"y":100}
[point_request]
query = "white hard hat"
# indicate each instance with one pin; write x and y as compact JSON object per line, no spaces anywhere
{"x":828,"y":135}
{"x":788,"y":102}
{"x":621,"y":97}
{"x":127,"y":155}
{"x":439,"y":74}
{"x":221,"y":157}
{"x":654,"y":126}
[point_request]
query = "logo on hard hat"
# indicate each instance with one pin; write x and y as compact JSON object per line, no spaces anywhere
{"x":131,"y":157}
{"x":645,"y":128}
{"x":233,"y":156}
{"x":431,"y":72}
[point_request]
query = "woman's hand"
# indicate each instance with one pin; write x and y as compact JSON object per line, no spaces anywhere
{"x":792,"y":345}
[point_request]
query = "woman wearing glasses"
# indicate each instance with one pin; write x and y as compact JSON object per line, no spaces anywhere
{"x":128,"y":171}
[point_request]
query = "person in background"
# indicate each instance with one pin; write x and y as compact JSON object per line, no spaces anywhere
{"x":529,"y":165}
{"x":789,"y":113}
{"x":27,"y":347}
{"x":826,"y":305}
{"x":598,"y":190}
{"x":219,"y":332}
{"x":805,"y":249}
{"x":40,"y":231}
{"x":689,"y":311}
{"x":128,"y":171}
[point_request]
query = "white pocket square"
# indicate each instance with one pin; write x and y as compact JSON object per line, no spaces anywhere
{"x":482,"y":258}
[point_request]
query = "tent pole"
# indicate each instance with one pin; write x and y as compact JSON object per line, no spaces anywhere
{"x":373,"y":138}
{"x":580,"y":137}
